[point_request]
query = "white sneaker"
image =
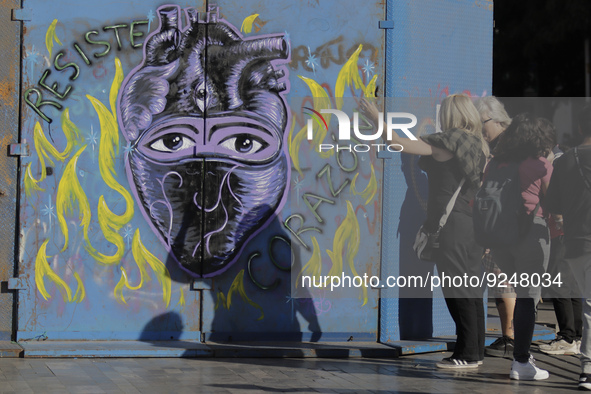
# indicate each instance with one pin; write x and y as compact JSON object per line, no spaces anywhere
{"x":527,"y":371}
{"x":578,"y":342}
{"x":559,"y":346}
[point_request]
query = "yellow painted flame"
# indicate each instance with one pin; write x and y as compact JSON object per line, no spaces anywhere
{"x":32,"y":184}
{"x":313,"y":267}
{"x":46,"y":151}
{"x":70,"y":195}
{"x":320,"y":100}
{"x":220,"y":301}
{"x":142,"y":256}
{"x":238,"y":286}
{"x":118,"y":290}
{"x":348,"y":75}
{"x":182,"y":298}
{"x":346,"y":243}
{"x":370,"y":190}
{"x":294,"y":149}
{"x":43,"y":270}
{"x":370,"y":90}
{"x":115,"y":86}
{"x":80,"y":291}
{"x":50,"y":37}
{"x":124,"y":282}
{"x":247,"y":23}
{"x":110,"y":223}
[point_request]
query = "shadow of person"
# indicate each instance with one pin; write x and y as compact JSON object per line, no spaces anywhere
{"x":165,"y":327}
{"x":164,"y":332}
{"x":253,"y":300}
{"x":415,"y":304}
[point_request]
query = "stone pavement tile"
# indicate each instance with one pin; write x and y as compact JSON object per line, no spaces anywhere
{"x":416,"y":373}
{"x":34,"y":385}
{"x":493,"y":376}
{"x":341,"y":381}
{"x":85,"y":390}
{"x":18,"y":384}
{"x":106,"y":386}
{"x":128,"y":389}
{"x":19,"y":388}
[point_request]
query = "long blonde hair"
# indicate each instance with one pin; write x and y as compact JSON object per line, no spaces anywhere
{"x":458,"y":112}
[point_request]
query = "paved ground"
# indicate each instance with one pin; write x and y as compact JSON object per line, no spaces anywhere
{"x":168,"y":375}
{"x":406,"y":374}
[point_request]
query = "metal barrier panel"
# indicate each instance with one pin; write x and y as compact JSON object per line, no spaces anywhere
{"x":10,"y":33}
{"x":158,"y":199}
{"x":435,"y":49}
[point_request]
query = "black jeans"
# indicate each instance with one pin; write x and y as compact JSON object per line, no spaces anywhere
{"x":567,"y":306}
{"x":528,"y":258}
{"x":569,"y":314}
{"x":459,"y":255}
{"x":468,"y":314}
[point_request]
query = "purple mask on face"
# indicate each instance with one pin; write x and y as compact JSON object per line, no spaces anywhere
{"x":205,"y":116}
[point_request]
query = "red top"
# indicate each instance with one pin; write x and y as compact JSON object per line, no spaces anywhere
{"x":531,"y":173}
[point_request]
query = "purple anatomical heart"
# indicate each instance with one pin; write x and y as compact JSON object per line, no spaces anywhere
{"x":205,"y":116}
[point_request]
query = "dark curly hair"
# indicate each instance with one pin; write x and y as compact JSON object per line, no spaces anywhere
{"x":527,"y":136}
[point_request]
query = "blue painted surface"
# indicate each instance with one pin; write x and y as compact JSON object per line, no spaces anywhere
{"x":435,"y":49}
{"x":116,"y":349}
{"x":423,"y":53}
{"x":322,"y":36}
{"x":9,"y":121}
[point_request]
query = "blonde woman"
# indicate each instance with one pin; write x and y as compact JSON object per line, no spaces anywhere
{"x":459,"y":152}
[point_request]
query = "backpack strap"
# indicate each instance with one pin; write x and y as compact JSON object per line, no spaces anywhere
{"x":450,"y":205}
{"x":587,"y":183}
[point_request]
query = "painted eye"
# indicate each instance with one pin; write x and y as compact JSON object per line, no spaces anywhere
{"x":173,"y":142}
{"x":201,"y":98}
{"x":244,"y":144}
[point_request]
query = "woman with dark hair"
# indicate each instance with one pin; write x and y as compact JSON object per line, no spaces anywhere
{"x":528,"y":142}
{"x":567,"y":307}
{"x":456,"y":155}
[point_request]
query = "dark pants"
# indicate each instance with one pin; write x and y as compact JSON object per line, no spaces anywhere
{"x":569,"y":314}
{"x":468,"y":314}
{"x":529,"y":257}
{"x":567,"y":306}
{"x":459,"y":255}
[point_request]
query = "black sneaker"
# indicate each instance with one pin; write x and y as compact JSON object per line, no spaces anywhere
{"x":585,"y":382}
{"x":454,"y":363}
{"x":502,"y":347}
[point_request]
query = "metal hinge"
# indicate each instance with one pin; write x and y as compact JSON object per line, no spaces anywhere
{"x":19,"y":283}
{"x":19,"y":150}
{"x":386,"y":24}
{"x":384,"y":154}
{"x":24,"y":14}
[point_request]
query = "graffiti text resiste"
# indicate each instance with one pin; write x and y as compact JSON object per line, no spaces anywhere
{"x":392,"y":123}
{"x":92,"y":38}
